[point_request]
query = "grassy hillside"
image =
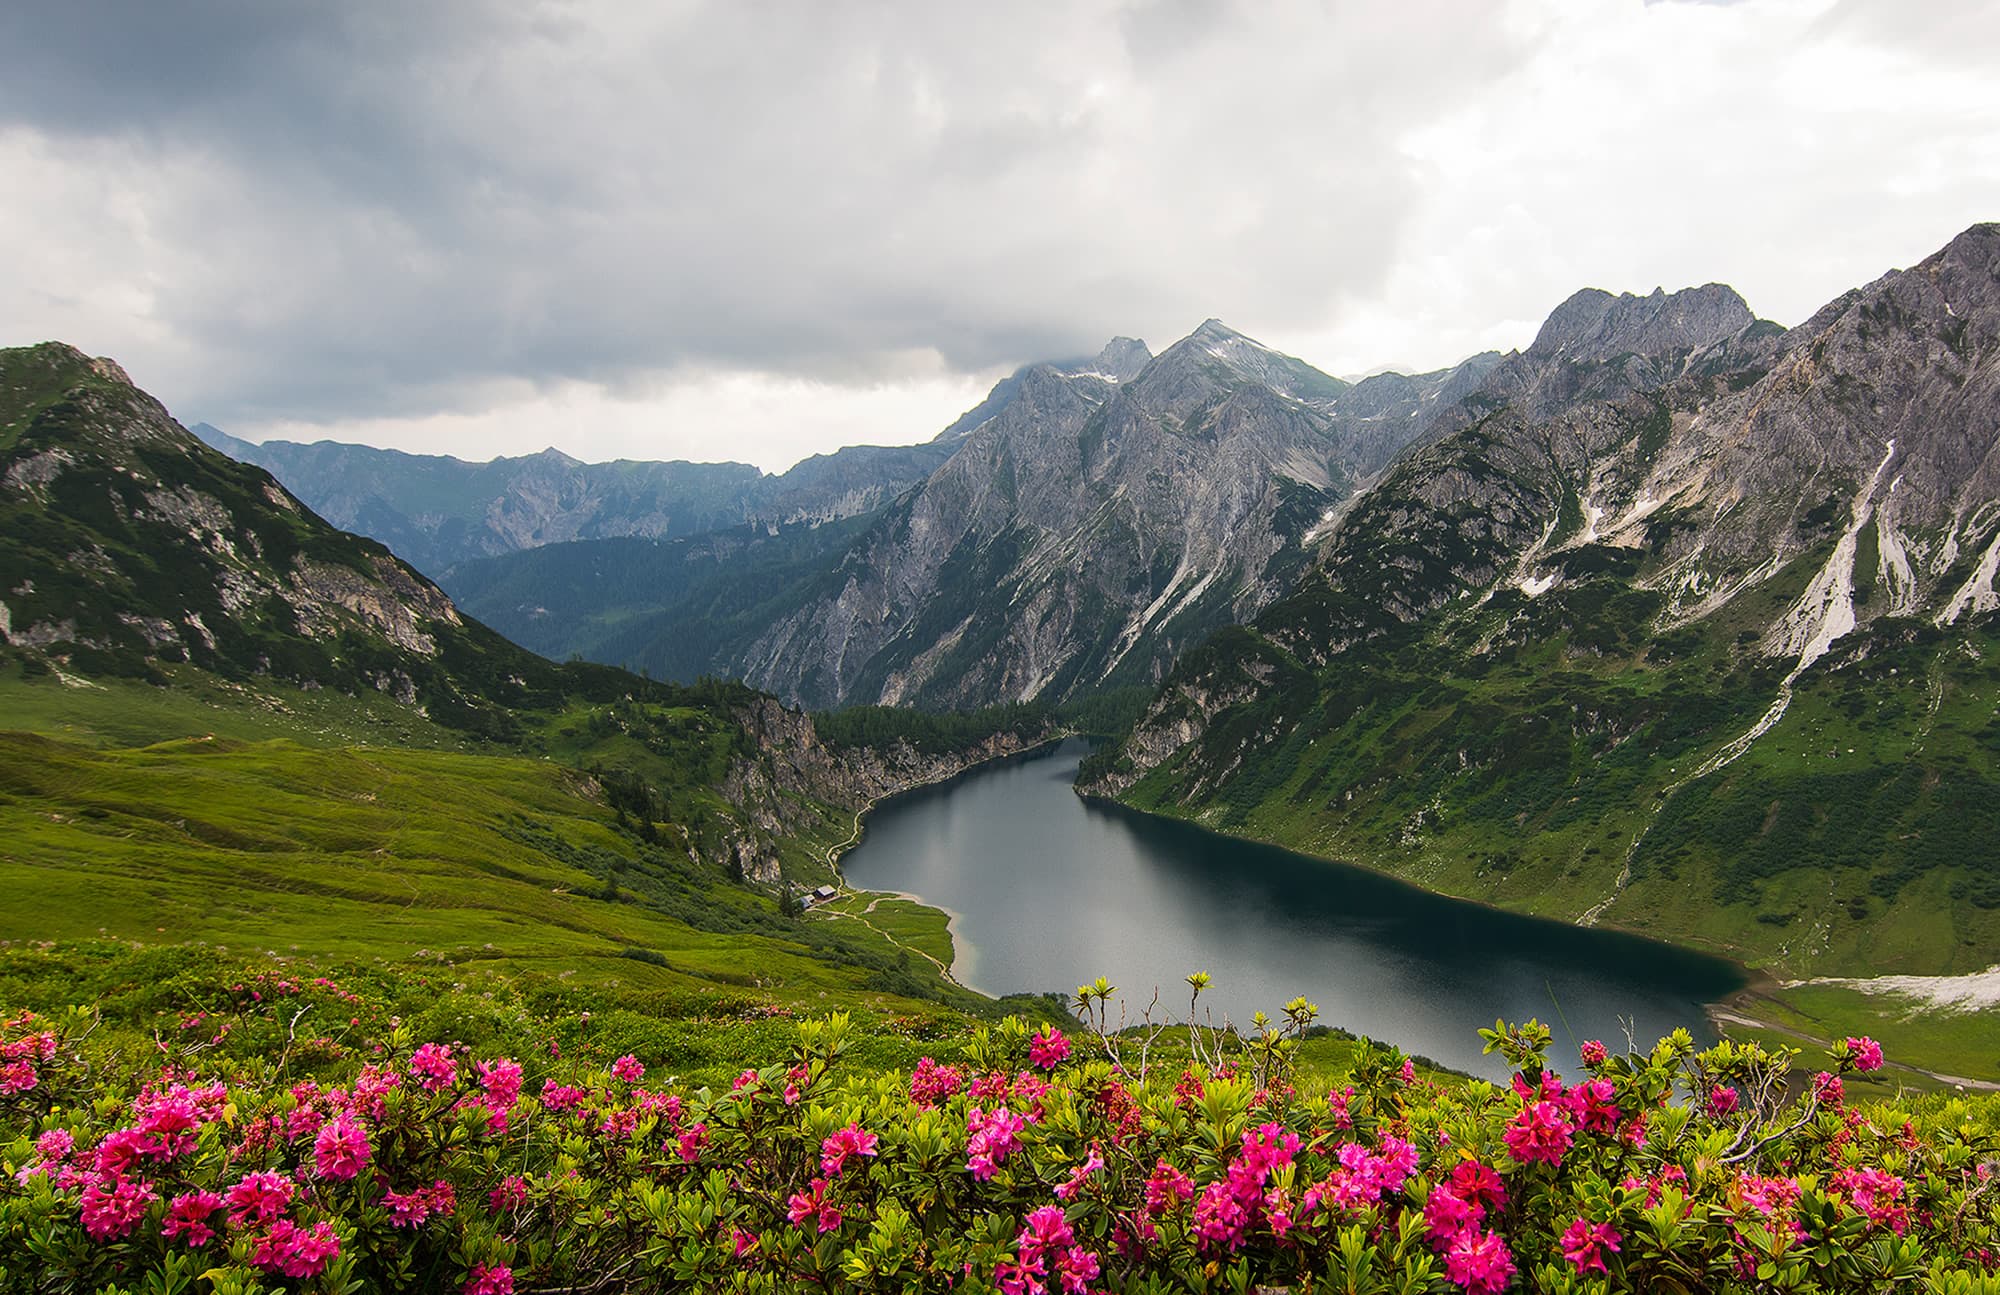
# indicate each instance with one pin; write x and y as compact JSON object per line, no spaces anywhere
{"x":280,"y":831}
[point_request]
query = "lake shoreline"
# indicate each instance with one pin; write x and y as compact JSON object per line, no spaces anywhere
{"x":1065,"y":886}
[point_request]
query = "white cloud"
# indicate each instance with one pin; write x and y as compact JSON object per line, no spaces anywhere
{"x":768,"y":420}
{"x":467,"y":225}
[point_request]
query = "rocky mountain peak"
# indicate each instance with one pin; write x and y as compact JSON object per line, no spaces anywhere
{"x":1123,"y":358}
{"x":1594,"y":325}
{"x":1215,"y":350}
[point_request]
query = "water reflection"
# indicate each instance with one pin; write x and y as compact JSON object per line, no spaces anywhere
{"x":1052,"y":891}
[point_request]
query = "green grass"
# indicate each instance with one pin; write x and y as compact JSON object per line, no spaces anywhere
{"x":904,"y":922}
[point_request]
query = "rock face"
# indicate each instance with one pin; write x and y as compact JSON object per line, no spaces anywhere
{"x":1094,"y":518}
{"x":129,"y":542}
{"x":1692,"y":519}
{"x":435,"y":511}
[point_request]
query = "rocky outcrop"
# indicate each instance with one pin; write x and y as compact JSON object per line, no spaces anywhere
{"x":1697,"y":451}
{"x":1097,"y":518}
{"x":790,"y":773}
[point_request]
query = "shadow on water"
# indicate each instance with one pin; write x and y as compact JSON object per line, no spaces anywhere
{"x":1053,"y":891}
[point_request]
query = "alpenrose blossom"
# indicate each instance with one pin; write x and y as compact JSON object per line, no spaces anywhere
{"x":1541,"y":1132}
{"x":1087,"y":1178}
{"x":1585,"y":1244}
{"x":289,"y":1250}
{"x":1048,"y":1049}
{"x":850,"y":1141}
{"x":1867,"y":1053}
{"x":1480,"y":1262}
{"x":342,"y":1149}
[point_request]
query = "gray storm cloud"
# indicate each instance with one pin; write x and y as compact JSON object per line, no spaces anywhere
{"x":372,"y":208}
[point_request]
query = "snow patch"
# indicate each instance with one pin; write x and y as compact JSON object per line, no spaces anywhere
{"x":1536,"y":586}
{"x":1971,"y":993}
{"x":1592,"y":515}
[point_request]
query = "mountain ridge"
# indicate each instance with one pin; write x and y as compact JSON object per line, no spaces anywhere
{"x":1719,"y":624}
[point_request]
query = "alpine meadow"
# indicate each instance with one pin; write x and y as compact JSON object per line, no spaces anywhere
{"x":684,"y":612}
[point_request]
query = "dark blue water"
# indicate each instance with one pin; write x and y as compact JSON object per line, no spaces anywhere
{"x":1049,"y":892}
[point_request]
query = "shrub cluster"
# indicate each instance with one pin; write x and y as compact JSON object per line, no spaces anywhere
{"x":1025,"y":1161}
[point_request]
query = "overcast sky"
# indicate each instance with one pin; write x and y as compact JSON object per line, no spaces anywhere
{"x":754,"y":231}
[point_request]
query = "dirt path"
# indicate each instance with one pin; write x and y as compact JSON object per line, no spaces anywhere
{"x":1721,"y":1016}
{"x":861,"y":917}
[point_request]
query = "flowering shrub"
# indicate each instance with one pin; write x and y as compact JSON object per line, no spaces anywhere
{"x":1023,"y":1162}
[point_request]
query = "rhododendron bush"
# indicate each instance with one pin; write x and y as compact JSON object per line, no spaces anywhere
{"x":1019,"y":1160}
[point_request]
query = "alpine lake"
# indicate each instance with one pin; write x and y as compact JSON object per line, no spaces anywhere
{"x":1048,"y":891}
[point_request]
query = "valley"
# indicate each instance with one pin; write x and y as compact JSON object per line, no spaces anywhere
{"x":1671,"y":606}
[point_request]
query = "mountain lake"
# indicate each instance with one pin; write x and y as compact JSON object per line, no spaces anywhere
{"x":1048,"y":891}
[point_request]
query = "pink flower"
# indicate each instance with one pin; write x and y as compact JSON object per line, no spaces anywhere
{"x":1593,"y":1052}
{"x":509,"y":1196}
{"x":561,"y":1097}
{"x":409,"y":1210}
{"x":18,"y":1077}
{"x":168,"y":1121}
{"x":55,"y":1145}
{"x":990,"y":1139}
{"x":1048,"y":1049}
{"x":814,"y":1205}
{"x":1446,"y":1214}
{"x":1721,"y":1101}
{"x":433,"y":1067}
{"x":1220,"y":1218}
{"x":1866,"y":1052}
{"x":258,"y":1198}
{"x":1409,"y":1072}
{"x":112,"y":1207}
{"x":1166,"y":1186}
{"x":850,"y":1141}
{"x":187,"y":1217}
{"x":1478,"y":1184}
{"x":1828,"y":1089}
{"x":693,"y":1138}
{"x":1091,"y":1164}
{"x":1585,"y":1244}
{"x":341,"y":1150}
{"x":489,"y":1279}
{"x":628,"y":1068}
{"x":1768,"y":1196}
{"x":1047,"y":1240}
{"x":931,"y":1084}
{"x":1594,"y":1105}
{"x":1479,"y":1262}
{"x":501,"y":1081}
{"x":293,"y":1251}
{"x":1539,"y":1132}
{"x":1876,"y":1194}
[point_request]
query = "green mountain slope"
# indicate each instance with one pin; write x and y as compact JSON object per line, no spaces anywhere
{"x":1707,"y":653}
{"x":226,"y":721}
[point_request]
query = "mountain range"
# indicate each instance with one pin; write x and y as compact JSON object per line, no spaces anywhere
{"x":1677,"y":619}
{"x":1093,"y":518}
{"x":435,"y":511}
{"x":1683,"y":621}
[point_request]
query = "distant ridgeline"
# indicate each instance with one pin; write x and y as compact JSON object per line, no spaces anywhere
{"x":1681,"y":621}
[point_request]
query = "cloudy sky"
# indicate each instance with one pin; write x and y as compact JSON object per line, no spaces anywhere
{"x":753,"y":230}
